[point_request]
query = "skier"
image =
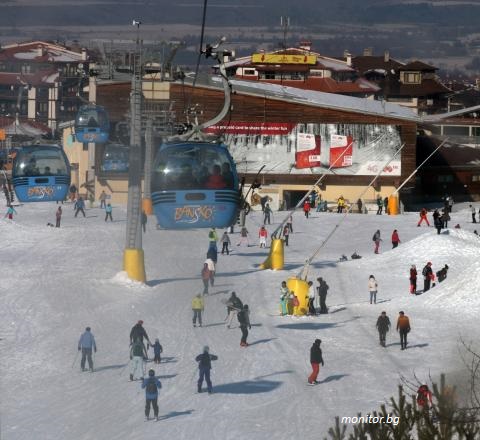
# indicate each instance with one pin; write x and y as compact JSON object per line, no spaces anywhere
{"x":138,"y":332}
{"x":157,"y":351}
{"x":151,"y":385}
{"x":197,"y":307}
{"x":58,"y":217}
{"x":413,"y":279}
{"x":243,"y":236}
{"x":403,"y":326}
{"x":379,"y":205}
{"x":103,"y":199}
{"x":204,"y":367}
{"x":372,"y":288}
{"x":225,"y":243}
{"x":234,"y":305}
{"x":286,"y":233}
{"x":262,"y":234}
{"x":211,"y":267}
{"x":79,"y":206}
{"x":428,"y":276}
{"x":423,"y":217}
{"x":212,"y":254}
{"x":10,"y":212}
{"x":383,"y":326}
{"x":267,"y":213}
{"x":212,"y":238}
{"x":424,"y":398}
{"x":86,"y":343}
{"x":284,"y":294}
{"x":108,"y":212}
{"x":340,"y":204}
{"x":442,"y":273}
{"x":395,"y":239}
{"x":311,"y":300}
{"x":243,"y":317}
{"x":205,"y":278}
{"x":376,"y":239}
{"x":322,"y":290}
{"x":315,"y":359}
{"x":474,"y":213}
{"x":306,"y":208}
{"x":290,"y":223}
{"x":144,"y":221}
{"x":137,"y":356}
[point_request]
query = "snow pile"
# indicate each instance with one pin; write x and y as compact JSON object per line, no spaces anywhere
{"x":121,"y":278}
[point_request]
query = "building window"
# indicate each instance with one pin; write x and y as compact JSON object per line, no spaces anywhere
{"x":26,"y":68}
{"x":475,"y":178}
{"x":412,"y":78}
{"x":445,"y":178}
{"x":249,"y":71}
{"x":455,"y":130}
{"x":269,"y":75}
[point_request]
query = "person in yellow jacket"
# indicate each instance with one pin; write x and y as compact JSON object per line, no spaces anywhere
{"x":340,"y":204}
{"x":197,"y":306}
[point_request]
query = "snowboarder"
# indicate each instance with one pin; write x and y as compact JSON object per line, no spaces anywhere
{"x":204,"y":367}
{"x":286,"y":233}
{"x":372,"y":288}
{"x":376,"y":239}
{"x":243,"y":236}
{"x":138,"y":332}
{"x":243,"y":317}
{"x":315,"y":359}
{"x":137,"y":355}
{"x":423,"y":217}
{"x":86,"y":344}
{"x":144,"y":221}
{"x":108,"y":212}
{"x":474,"y":213}
{"x":379,"y":205}
{"x":58,"y":217}
{"x":403,"y":327}
{"x":311,"y":300}
{"x":428,"y":276}
{"x":10,"y":212}
{"x":290,"y":223}
{"x":442,"y":273}
{"x":306,"y":208}
{"x":225,"y":243}
{"x":234,"y":305}
{"x":205,"y":278}
{"x":197,"y":306}
{"x":151,"y":385}
{"x":211,"y":267}
{"x":262,"y":235}
{"x":284,"y":294}
{"x":322,"y":290}
{"x":383,"y":326}
{"x":157,"y":351}
{"x":395,"y":239}
{"x":79,"y":206}
{"x":103,"y":200}
{"x":267,"y":213}
{"x":413,"y":279}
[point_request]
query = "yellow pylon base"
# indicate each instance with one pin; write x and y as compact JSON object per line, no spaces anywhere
{"x":147,"y":206}
{"x":300,"y":289}
{"x":393,"y":205}
{"x":134,"y":265}
{"x":275,"y":259}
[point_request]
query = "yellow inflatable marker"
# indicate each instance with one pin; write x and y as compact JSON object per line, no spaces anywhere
{"x":275,"y":259}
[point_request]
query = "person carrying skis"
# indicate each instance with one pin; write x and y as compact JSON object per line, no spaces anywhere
{"x":428,"y":276}
{"x":204,"y":366}
{"x":284,"y":294}
{"x":315,"y":359}
{"x":442,"y":273}
{"x":108,"y":212}
{"x":234,"y":305}
{"x":322,"y":290}
{"x":86,"y":344}
{"x":58,"y":217}
{"x":383,"y":326}
{"x":138,"y":332}
{"x":262,"y":235}
{"x":10,"y":212}
{"x":137,"y":356}
{"x":197,"y":306}
{"x":151,"y":385}
{"x":267,"y":214}
{"x":403,"y":327}
{"x":376,"y":239}
{"x":413,"y":279}
{"x":205,"y":278}
{"x":211,"y":267}
{"x":79,"y":206}
{"x":423,"y":217}
{"x":306,"y":208}
{"x":157,"y":351}
{"x":311,"y":300}
{"x":395,"y":239}
{"x":286,"y":233}
{"x":372,"y":288}
{"x":243,"y":317}
{"x":225,"y":243}
{"x":243,"y":236}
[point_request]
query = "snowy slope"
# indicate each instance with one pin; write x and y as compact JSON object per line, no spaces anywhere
{"x":55,"y":282}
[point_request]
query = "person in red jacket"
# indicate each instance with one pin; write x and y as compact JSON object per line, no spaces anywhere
{"x":424,"y":398}
{"x":413,"y":279}
{"x":306,"y":207}
{"x":216,"y":180}
{"x":262,"y":235}
{"x":423,"y":217}
{"x":395,"y":239}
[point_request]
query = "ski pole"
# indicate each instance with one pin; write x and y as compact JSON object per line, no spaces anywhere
{"x":75,"y":360}
{"x":125,"y":366}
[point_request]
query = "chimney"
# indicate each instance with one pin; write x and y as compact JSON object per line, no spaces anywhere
{"x":368,"y":52}
{"x":39,"y":50}
{"x":386,"y":56}
{"x":348,"y":57}
{"x":84,"y":54}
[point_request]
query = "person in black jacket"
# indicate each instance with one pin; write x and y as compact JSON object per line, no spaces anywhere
{"x":315,"y":359}
{"x":138,"y":332}
{"x":204,"y":367}
{"x":383,"y":326}
{"x":244,"y":320}
{"x":322,"y":290}
{"x":427,"y":276}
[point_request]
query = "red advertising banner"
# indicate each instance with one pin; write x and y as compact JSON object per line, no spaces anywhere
{"x":341,"y":146}
{"x":252,"y":128}
{"x":308,"y":151}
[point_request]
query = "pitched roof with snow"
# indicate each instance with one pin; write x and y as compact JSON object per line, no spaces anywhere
{"x":418,"y":66}
{"x":39,"y":52}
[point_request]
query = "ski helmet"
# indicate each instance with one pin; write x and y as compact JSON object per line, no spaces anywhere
{"x":87,"y":329}
{"x":151,"y":372}
{"x":206,"y":349}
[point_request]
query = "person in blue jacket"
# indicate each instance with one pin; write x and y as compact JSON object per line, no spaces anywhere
{"x":204,"y":367}
{"x":79,"y":206}
{"x":108,"y":212}
{"x":157,"y":350}
{"x":151,"y":385}
{"x":86,"y":344}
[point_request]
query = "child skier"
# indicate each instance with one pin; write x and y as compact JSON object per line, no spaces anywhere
{"x":157,"y":350}
{"x":372,"y":288}
{"x":151,"y":385}
{"x":10,"y":212}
